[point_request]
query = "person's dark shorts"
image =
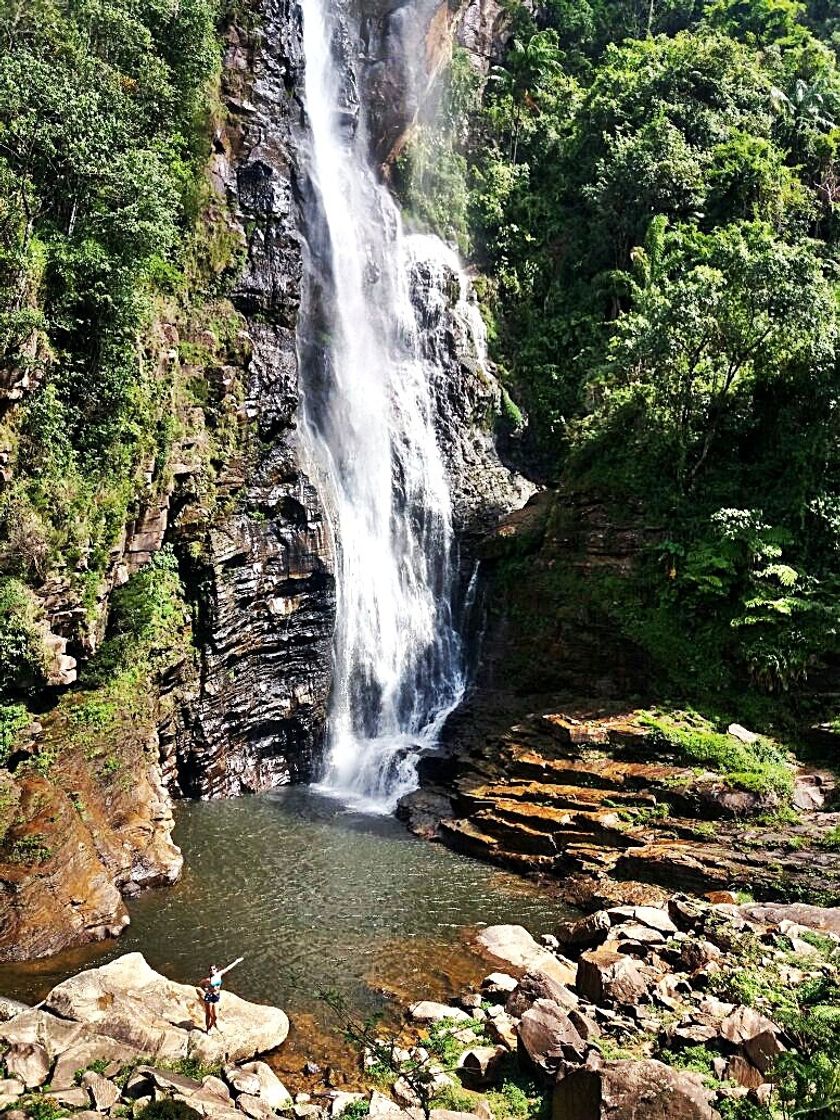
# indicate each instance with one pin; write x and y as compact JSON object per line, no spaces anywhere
{"x":212,"y":997}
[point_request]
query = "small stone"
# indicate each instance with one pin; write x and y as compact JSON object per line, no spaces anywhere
{"x":28,"y":1062}
{"x":256,"y":1108}
{"x":547,"y":1035}
{"x":242,"y":1082}
{"x":427,"y":1011}
{"x":70,"y":1098}
{"x":11,"y":1087}
{"x":272,"y":1089}
{"x":479,"y":1067}
{"x":498,"y":983}
{"x":502,"y":1030}
{"x":311,"y":1069}
{"x":652,"y":916}
{"x":591,"y":930}
{"x":607,"y":977}
{"x":103,"y":1093}
{"x":744,"y":1023}
{"x":741,"y":733}
{"x":763,"y":1049}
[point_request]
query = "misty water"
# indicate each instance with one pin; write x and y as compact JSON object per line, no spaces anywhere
{"x":370,"y":445}
{"x":313,"y":896}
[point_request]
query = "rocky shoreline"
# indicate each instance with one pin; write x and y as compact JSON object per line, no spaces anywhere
{"x":693,"y":1009}
{"x":614,"y":806}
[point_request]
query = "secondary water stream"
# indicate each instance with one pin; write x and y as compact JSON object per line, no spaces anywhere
{"x":313,"y":897}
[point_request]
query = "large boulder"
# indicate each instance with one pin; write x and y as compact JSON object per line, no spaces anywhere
{"x":130,"y":1002}
{"x":606,"y":978}
{"x":55,"y":1035}
{"x":630,"y":1090}
{"x":542,"y":985}
{"x":549,"y":1037}
{"x":518,"y":949}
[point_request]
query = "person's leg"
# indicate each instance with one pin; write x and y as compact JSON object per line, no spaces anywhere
{"x":208,"y":1016}
{"x":214,"y":1010}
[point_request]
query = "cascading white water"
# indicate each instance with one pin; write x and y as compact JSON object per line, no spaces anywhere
{"x":370,"y":442}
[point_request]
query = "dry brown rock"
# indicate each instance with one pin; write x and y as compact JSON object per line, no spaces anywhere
{"x":541,"y":985}
{"x":548,"y":1036}
{"x":607,"y":978}
{"x":630,"y":1090}
{"x":745,"y":1024}
{"x":763,"y":1049}
{"x":27,"y":1062}
{"x":740,"y":1071}
{"x":654,"y":917}
{"x":479,"y":1067}
{"x":588,"y":931}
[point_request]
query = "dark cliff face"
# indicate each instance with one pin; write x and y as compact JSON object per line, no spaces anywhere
{"x":263,"y":586}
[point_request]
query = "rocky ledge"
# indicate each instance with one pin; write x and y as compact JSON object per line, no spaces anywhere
{"x":689,"y":1010}
{"x":613,"y":810}
{"x":117,"y":1038}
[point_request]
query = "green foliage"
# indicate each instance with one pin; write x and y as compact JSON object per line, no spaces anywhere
{"x":98,"y":1065}
{"x":37,"y":1107}
{"x":29,"y":850}
{"x":194,"y":1068}
{"x":103,"y":107}
{"x":651,"y":189}
{"x":22,"y":655}
{"x":806,"y":1075}
{"x":13,"y":719}
{"x":519,"y":1096}
{"x":357,"y":1110}
{"x":761,"y":767}
{"x":146,"y":624}
{"x":831,"y":840}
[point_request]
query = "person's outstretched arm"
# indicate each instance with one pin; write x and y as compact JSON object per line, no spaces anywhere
{"x":233,"y":964}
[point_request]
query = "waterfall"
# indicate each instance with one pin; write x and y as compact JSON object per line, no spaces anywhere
{"x":370,"y":444}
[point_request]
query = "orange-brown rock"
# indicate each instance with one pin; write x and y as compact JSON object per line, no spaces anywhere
{"x":612,"y":812}
{"x":85,"y":819}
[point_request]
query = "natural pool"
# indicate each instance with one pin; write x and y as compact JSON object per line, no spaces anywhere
{"x":314,"y":897}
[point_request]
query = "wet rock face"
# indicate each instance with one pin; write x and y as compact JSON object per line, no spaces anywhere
{"x":404,"y":46}
{"x":79,"y":839}
{"x":467,"y":399}
{"x":264,"y":587}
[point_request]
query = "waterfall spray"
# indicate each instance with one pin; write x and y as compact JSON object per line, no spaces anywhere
{"x":369,"y":435}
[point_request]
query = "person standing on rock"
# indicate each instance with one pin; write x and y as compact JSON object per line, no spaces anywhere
{"x":211,"y":986}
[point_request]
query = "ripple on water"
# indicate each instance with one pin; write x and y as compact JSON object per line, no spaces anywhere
{"x":314,"y":897}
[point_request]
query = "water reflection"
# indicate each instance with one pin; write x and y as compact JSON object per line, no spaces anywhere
{"x":313,"y":897}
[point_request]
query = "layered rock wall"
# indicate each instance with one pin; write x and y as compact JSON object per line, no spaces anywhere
{"x":263,"y":585}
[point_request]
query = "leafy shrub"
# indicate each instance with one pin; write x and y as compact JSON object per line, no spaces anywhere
{"x":13,"y":719}
{"x":22,"y":654}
